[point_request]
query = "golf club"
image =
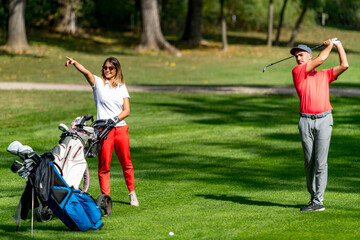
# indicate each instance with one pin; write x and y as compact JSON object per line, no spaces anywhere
{"x":25,"y":152}
{"x":316,"y":47}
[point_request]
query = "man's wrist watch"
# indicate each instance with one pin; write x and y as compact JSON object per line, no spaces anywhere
{"x":116,"y":119}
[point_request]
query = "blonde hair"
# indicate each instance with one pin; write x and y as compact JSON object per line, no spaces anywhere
{"x":119,"y":78}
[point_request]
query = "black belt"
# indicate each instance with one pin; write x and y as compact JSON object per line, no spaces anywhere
{"x":315,"y":116}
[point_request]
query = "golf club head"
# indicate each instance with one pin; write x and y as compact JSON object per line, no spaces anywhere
{"x":29,"y":164}
{"x":24,"y":173}
{"x":14,"y":147}
{"x":17,"y":167}
{"x":25,"y":152}
{"x":62,"y":127}
{"x":264,"y":68}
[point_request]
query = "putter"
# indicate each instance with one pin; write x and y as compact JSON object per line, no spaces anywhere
{"x":316,"y":47}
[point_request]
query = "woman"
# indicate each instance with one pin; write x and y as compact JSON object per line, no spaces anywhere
{"x":112,"y":103}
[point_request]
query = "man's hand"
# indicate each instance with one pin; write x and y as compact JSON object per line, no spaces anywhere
{"x":335,"y":41}
{"x":328,"y":43}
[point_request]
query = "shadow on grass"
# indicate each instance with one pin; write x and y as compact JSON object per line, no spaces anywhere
{"x":88,"y":44}
{"x":238,"y":110}
{"x":121,"y":202}
{"x":276,"y":160}
{"x":346,"y":85}
{"x":40,"y":226}
{"x":246,"y":201}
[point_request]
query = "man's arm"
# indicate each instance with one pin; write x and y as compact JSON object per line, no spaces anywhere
{"x":324,"y":54}
{"x":344,"y":64}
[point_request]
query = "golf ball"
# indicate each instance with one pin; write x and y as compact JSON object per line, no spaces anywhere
{"x":171,"y":233}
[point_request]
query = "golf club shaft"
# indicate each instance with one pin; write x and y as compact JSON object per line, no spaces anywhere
{"x":316,"y":47}
{"x":32,"y":212}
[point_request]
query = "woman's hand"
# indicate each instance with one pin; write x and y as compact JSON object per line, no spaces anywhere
{"x":69,"y":61}
{"x":88,"y":75}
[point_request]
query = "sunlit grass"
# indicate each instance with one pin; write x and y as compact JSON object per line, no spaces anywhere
{"x":206,"y":167}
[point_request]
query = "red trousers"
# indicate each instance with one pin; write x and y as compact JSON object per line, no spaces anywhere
{"x":118,"y":137}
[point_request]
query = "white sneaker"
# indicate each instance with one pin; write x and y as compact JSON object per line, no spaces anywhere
{"x":133,"y":200}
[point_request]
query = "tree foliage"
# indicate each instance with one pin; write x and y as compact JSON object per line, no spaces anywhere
{"x":241,"y":15}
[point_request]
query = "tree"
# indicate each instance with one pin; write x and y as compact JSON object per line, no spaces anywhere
{"x":270,"y":22}
{"x":67,"y":23}
{"x":17,"y":40}
{"x":223,"y":27}
{"x":282,"y":13}
{"x":151,"y":34}
{"x":298,"y":23}
{"x":192,"y":34}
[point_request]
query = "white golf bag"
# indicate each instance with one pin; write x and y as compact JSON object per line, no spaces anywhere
{"x":70,"y":153}
{"x":69,"y":156}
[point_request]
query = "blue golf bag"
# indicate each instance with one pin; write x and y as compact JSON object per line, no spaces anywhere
{"x":76,"y":209}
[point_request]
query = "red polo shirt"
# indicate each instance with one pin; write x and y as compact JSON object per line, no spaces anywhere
{"x":313,"y":89}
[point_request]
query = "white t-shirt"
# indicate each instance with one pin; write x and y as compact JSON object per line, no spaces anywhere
{"x":108,"y":100}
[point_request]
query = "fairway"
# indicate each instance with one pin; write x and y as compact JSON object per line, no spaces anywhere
{"x":206,"y":167}
{"x":216,"y":144}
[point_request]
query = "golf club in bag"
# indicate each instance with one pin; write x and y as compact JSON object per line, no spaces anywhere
{"x":316,"y":47}
{"x":54,"y":177}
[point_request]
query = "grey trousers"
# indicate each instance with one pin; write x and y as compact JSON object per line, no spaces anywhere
{"x":315,"y":132}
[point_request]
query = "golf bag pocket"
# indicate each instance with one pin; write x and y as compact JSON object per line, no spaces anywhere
{"x":78,"y":214}
{"x":89,"y":205}
{"x":75,"y":209}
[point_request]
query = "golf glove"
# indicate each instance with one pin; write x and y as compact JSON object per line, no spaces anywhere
{"x":113,"y":121}
{"x":335,"y":41}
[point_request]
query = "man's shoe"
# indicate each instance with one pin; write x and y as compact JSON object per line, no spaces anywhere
{"x":133,"y":200}
{"x":313,"y":207}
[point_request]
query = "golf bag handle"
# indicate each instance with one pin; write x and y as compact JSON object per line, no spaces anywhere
{"x":106,"y":128}
{"x":84,"y":119}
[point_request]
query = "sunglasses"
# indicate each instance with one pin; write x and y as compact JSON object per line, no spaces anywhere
{"x":110,"y":68}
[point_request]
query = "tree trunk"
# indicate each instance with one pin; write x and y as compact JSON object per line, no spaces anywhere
{"x":270,"y":22}
{"x":17,"y":40}
{"x":192,"y":34}
{"x":298,"y":24}
{"x":6,"y":18}
{"x":67,"y":23}
{"x":223,"y":28}
{"x":151,"y":34}
{"x":280,"y":23}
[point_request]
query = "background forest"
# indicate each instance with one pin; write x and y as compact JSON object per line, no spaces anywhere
{"x":89,"y":16}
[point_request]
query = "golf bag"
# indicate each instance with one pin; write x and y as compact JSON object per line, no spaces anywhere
{"x":76,"y":209}
{"x":69,"y":156}
{"x":54,"y":178}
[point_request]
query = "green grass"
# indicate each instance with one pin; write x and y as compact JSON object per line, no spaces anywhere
{"x":241,"y":65}
{"x":206,"y":167}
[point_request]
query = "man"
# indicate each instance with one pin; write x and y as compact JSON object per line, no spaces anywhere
{"x":315,"y":124}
